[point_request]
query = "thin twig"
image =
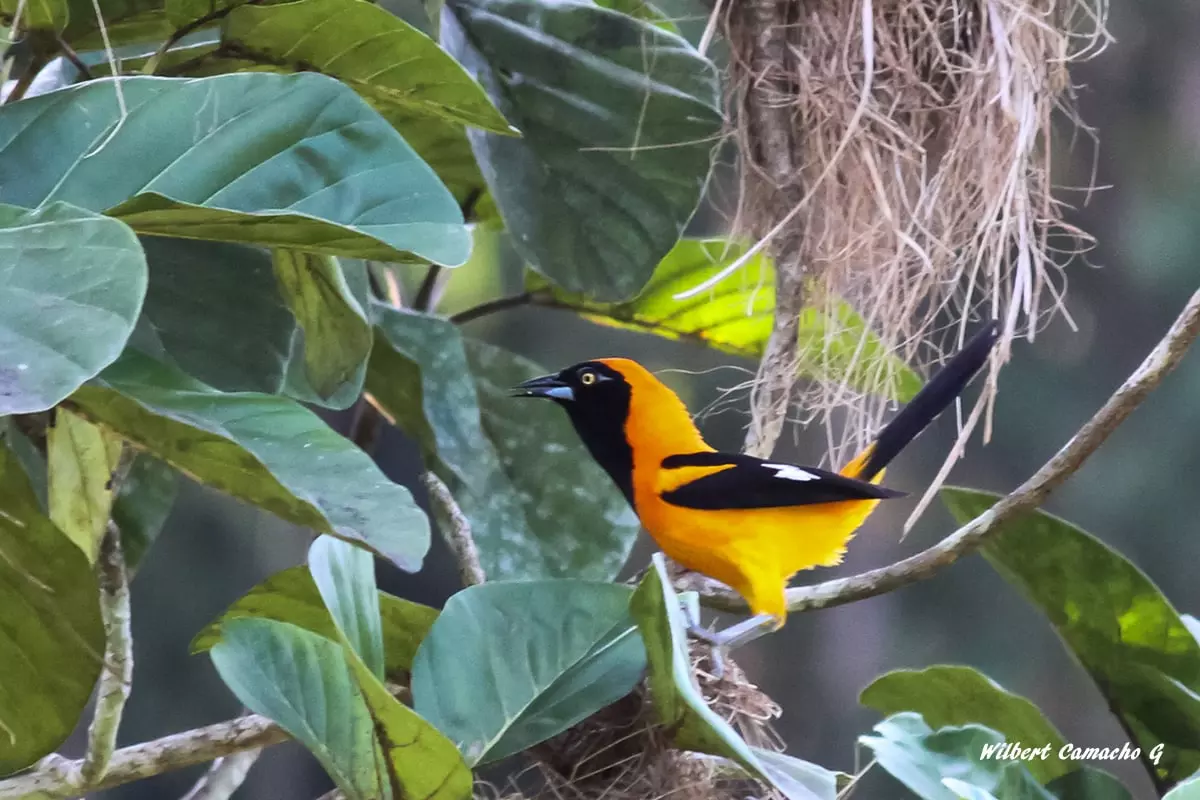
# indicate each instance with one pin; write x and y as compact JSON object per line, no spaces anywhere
{"x":224,"y":777}
{"x":69,"y":53}
{"x":492,"y":306}
{"x":219,"y":13}
{"x":456,"y":529}
{"x":53,"y":775}
{"x":25,"y":79}
{"x":116,"y":677}
{"x":1158,"y":364}
{"x":425,"y":295}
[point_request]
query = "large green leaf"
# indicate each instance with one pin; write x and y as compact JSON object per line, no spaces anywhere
{"x":71,"y":286}
{"x":510,"y":664}
{"x":302,"y":681}
{"x":681,"y":708}
{"x":386,"y":60}
{"x":80,"y":460}
{"x":424,"y":763}
{"x":144,"y":500}
{"x":52,"y":639}
{"x":295,"y":161}
{"x":619,"y":120}
{"x":292,"y":596}
{"x":214,"y":309}
{"x":269,"y":451}
{"x":345,"y":577}
{"x":1114,"y":620}
{"x":947,"y":764}
{"x":337,"y":334}
{"x":954,"y":695}
{"x":736,"y":316}
{"x":537,"y":503}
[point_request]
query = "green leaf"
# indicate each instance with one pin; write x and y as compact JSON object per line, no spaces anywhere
{"x":964,"y":757}
{"x":81,"y":459}
{"x":345,"y":577}
{"x":736,"y":315}
{"x":143,"y":502}
{"x":1115,"y":621}
{"x":390,"y":63}
{"x":52,"y":640}
{"x":424,"y":763}
{"x":1088,"y":783}
{"x":268,"y":451}
{"x":1186,"y":790}
{"x":511,"y":664}
{"x":516,"y":470}
{"x":292,"y":596}
{"x":302,"y":681}
{"x":38,"y":14}
{"x":953,"y":695}
{"x":32,"y":461}
{"x":295,"y":161}
{"x":298,"y":384}
{"x":681,"y":709}
{"x":214,"y":309}
{"x":71,"y":285}
{"x":619,"y":120}
{"x":337,"y":334}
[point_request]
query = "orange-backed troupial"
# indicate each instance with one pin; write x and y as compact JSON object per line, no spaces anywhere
{"x":750,"y":523}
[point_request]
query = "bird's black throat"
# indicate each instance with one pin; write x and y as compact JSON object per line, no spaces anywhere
{"x":600,"y":423}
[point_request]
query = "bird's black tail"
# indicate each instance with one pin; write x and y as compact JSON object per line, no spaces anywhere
{"x":932,"y":400}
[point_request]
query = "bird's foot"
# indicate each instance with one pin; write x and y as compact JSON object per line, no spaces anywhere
{"x":732,"y":637}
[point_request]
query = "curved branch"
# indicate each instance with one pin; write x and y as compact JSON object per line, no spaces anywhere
{"x":1157,"y":365}
{"x":53,"y":774}
{"x":456,"y":529}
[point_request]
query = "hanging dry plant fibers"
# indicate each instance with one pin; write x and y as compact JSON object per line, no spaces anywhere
{"x":896,"y":153}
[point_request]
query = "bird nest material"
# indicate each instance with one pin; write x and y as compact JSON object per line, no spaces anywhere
{"x":896,"y":154}
{"x":620,"y":753}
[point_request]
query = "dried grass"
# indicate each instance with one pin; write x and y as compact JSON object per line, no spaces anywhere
{"x":918,"y":185}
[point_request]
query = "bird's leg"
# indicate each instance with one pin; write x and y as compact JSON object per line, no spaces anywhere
{"x":734,"y":636}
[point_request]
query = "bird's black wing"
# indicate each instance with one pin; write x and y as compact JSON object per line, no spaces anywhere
{"x":742,"y":482}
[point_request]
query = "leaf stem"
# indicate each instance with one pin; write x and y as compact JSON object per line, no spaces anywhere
{"x":1165,"y":356}
{"x":425,"y":295}
{"x":116,"y":677}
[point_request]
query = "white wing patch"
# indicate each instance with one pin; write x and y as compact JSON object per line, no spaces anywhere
{"x":791,"y":473}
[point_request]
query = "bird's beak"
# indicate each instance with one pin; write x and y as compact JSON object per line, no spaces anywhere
{"x":546,"y":386}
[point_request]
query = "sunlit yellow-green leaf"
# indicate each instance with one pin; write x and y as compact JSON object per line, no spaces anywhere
{"x":735,"y":316}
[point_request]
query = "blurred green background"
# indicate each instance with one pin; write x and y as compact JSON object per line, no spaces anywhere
{"x":1138,"y":493}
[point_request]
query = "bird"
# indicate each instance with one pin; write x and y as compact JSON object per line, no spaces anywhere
{"x":747,"y":522}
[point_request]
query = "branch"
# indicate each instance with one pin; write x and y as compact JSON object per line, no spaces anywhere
{"x":152,"y":63}
{"x":223,"y":778}
{"x":456,"y":529}
{"x":52,"y":775}
{"x":116,"y":677}
{"x":1158,"y":364}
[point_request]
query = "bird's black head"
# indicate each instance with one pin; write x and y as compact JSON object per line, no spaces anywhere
{"x":595,"y":395}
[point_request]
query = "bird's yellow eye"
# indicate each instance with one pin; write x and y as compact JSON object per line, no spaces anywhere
{"x":587,"y":378}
